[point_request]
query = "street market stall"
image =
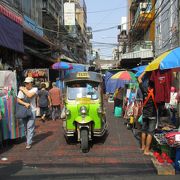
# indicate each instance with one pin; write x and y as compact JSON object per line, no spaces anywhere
{"x":164,"y":71}
{"x":10,"y":127}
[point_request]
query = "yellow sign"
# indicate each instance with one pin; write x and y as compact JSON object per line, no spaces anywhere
{"x":82,"y":75}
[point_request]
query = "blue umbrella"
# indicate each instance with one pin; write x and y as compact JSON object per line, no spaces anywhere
{"x":140,"y":70}
{"x":167,"y":60}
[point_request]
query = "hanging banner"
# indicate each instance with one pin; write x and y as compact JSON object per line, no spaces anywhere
{"x":6,"y":12}
{"x":11,"y":34}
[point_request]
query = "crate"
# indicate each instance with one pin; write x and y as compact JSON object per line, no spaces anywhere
{"x":163,"y":169}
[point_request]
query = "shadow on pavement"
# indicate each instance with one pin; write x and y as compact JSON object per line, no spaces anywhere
{"x":123,"y":171}
{"x":40,"y":137}
{"x":8,"y":170}
{"x":6,"y":146}
{"x":100,"y":140}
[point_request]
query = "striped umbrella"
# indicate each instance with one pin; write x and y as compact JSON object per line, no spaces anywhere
{"x":124,"y":76}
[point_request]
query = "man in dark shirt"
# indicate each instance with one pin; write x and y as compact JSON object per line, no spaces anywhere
{"x":149,"y":115}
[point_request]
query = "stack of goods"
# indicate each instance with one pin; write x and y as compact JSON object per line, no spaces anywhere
{"x":162,"y":158}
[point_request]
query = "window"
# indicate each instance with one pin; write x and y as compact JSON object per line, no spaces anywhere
{"x":27,"y":7}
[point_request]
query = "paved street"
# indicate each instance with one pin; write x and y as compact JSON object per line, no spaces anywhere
{"x":118,"y":154}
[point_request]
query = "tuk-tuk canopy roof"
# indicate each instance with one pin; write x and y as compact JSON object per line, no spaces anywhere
{"x":84,"y":76}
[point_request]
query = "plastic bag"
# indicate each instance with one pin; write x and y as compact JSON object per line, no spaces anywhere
{"x":38,"y":112}
{"x":63,"y":114}
{"x":140,"y":119}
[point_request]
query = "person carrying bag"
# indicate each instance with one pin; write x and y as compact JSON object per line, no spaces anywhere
{"x":27,"y":99}
{"x":23,"y":111}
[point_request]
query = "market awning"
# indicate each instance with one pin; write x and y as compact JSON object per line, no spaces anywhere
{"x":11,"y":34}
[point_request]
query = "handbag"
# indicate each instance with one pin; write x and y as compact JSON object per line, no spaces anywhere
{"x":21,"y":111}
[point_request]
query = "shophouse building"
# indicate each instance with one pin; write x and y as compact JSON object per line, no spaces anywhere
{"x":166,"y":26}
{"x":141,"y":34}
{"x":75,"y":20}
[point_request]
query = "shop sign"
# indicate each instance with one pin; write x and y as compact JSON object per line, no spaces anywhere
{"x":28,"y":22}
{"x":11,"y":15}
{"x":37,"y":73}
{"x":69,"y":14}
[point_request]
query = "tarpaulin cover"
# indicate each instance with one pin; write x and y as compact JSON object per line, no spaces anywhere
{"x":112,"y":84}
{"x":76,"y":68}
{"x":11,"y":34}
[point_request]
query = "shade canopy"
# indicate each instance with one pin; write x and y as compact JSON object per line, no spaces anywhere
{"x":124,"y":75}
{"x":168,"y":60}
{"x":119,"y":79}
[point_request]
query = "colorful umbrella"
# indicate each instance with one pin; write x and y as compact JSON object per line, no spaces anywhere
{"x":62,"y":66}
{"x":124,"y":76}
{"x":168,"y":60}
{"x":119,"y":80}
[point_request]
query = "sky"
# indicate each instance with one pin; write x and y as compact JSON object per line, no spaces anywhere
{"x":104,"y":14}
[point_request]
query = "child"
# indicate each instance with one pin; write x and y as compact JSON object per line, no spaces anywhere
{"x":43,"y":101}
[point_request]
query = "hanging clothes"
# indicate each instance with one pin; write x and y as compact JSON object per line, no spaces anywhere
{"x":10,"y":127}
{"x":162,"y":81}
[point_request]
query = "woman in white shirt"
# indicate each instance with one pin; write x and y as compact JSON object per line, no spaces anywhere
{"x":29,"y":123}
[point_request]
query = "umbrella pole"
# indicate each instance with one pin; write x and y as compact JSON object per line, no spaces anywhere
{"x":157,"y":123}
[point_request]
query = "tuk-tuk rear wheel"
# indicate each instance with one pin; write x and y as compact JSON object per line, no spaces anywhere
{"x":84,"y":140}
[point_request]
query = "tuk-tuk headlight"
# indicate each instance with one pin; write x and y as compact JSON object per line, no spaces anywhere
{"x":83,"y":110}
{"x":68,"y":112}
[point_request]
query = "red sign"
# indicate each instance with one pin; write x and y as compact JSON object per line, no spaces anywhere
{"x":11,"y":15}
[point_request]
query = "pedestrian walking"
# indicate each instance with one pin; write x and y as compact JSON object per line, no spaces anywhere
{"x":43,"y":102}
{"x":29,"y":92}
{"x":149,"y":115}
{"x":56,"y":102}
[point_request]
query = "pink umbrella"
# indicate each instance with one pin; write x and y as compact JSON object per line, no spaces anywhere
{"x":62,"y":66}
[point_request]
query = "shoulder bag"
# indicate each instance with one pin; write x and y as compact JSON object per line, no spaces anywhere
{"x":21,"y":111}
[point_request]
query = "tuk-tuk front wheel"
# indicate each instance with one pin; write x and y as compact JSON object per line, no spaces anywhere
{"x":84,"y":140}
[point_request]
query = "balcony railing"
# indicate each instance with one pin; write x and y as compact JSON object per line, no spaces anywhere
{"x":143,"y":51}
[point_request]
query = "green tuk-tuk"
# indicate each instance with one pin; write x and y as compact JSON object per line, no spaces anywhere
{"x":85,"y":113}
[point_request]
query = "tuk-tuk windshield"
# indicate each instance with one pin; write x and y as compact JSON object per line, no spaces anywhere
{"x":83,"y":92}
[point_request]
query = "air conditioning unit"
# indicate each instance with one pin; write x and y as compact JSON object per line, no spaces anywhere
{"x":143,"y":6}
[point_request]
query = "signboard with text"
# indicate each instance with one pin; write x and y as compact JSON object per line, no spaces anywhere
{"x":69,"y":14}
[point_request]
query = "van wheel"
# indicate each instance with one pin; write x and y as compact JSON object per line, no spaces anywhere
{"x":84,"y":141}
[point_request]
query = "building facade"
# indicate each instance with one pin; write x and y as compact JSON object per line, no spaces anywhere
{"x":75,"y":20}
{"x":141,"y":33}
{"x":166,"y":26}
{"x":45,"y":35}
